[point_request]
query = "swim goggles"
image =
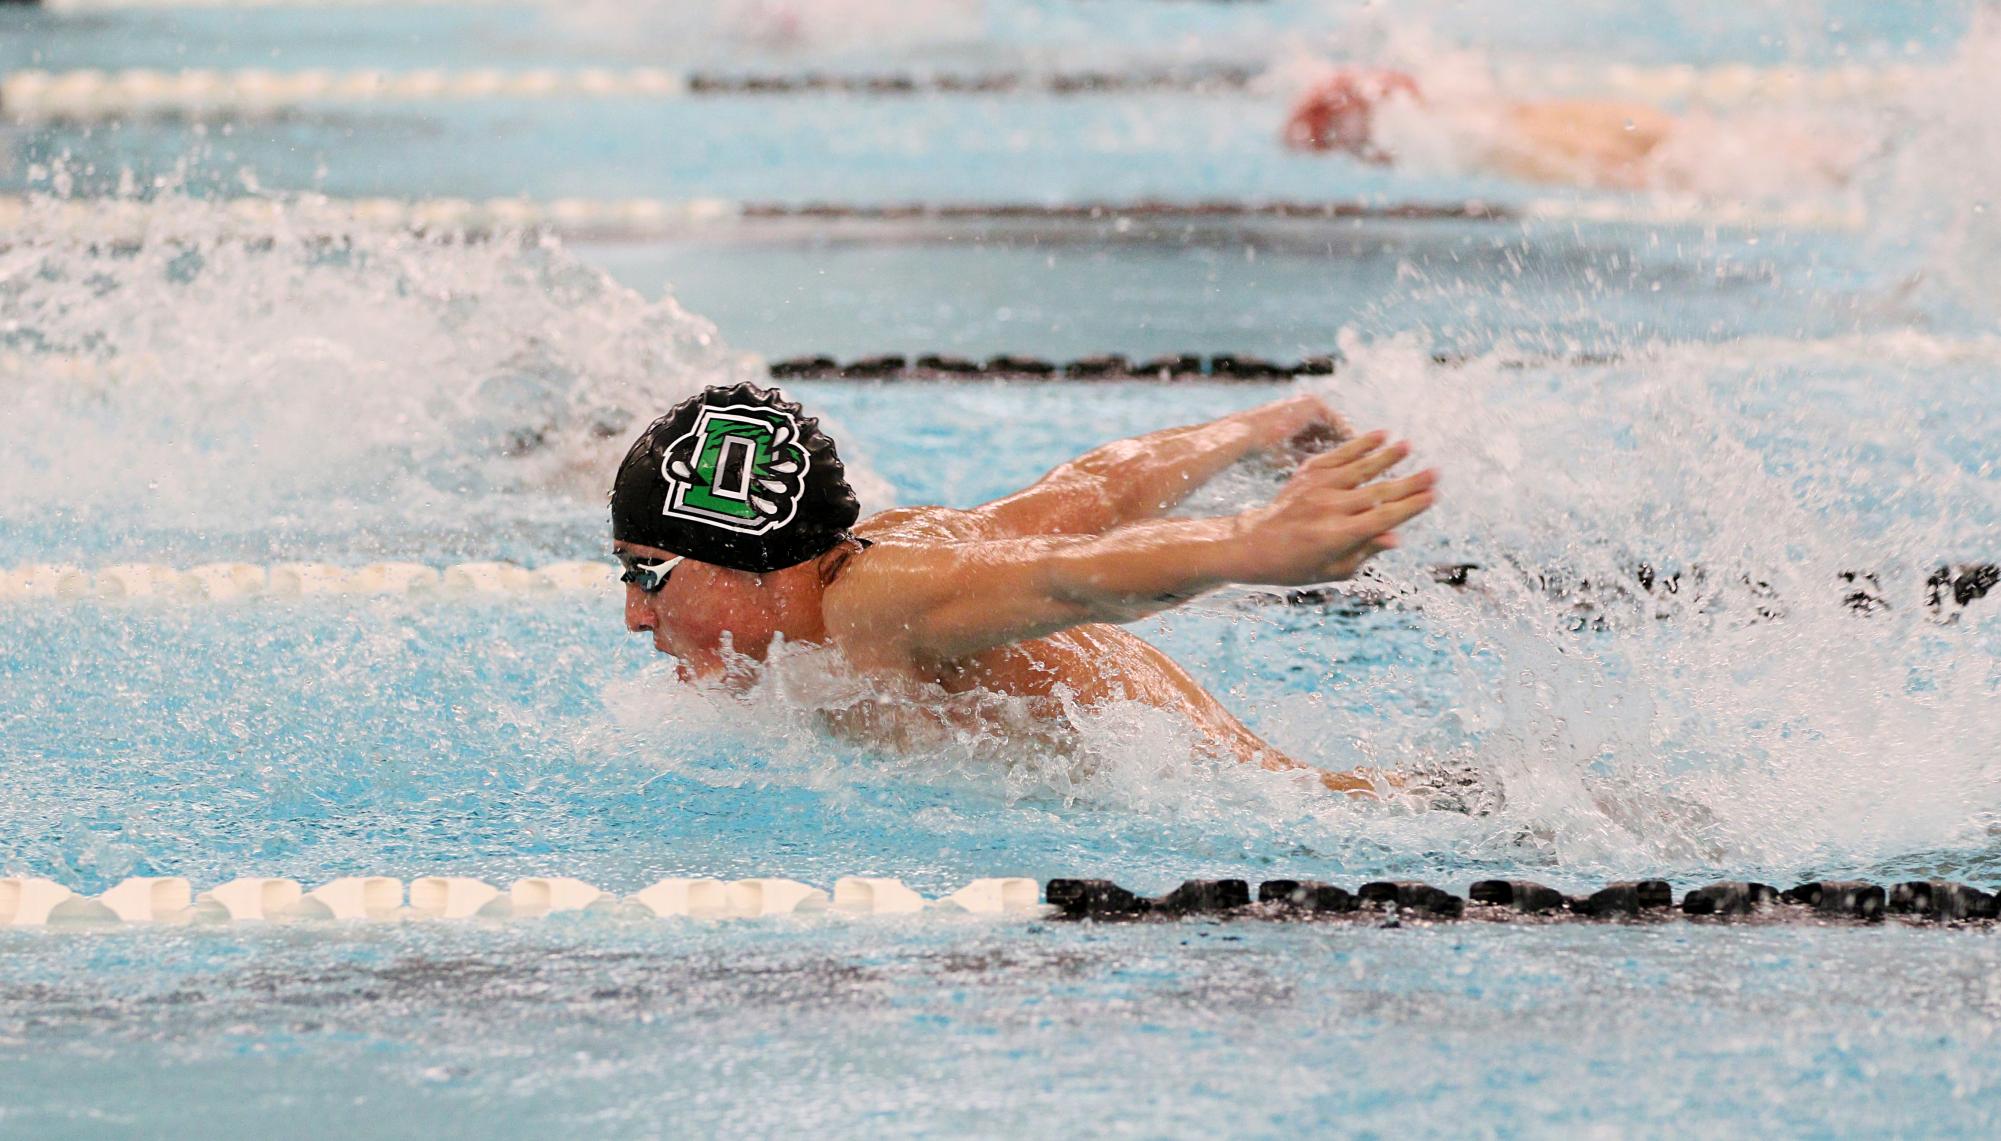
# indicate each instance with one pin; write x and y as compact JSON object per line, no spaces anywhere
{"x":648,"y":575}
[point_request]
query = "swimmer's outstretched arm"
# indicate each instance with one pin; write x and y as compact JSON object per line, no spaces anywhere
{"x":939,"y":603}
{"x":1142,"y":478}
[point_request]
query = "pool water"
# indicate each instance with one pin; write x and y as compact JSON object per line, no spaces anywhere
{"x":1758,"y":409}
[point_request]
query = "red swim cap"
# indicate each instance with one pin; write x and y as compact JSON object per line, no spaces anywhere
{"x":1339,"y":112}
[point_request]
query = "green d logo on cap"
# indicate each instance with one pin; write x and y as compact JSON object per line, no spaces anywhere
{"x":740,"y":468}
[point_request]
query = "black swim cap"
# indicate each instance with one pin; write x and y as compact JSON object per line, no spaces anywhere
{"x":736,"y":477}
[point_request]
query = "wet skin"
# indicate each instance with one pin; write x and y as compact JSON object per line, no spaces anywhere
{"x":1023,"y":596}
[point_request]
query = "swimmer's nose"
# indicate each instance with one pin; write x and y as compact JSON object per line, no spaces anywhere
{"x":638,"y":611}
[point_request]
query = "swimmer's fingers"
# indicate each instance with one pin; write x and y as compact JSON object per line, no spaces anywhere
{"x":1388,"y":517}
{"x":1342,"y":498}
{"x":1331,"y":468}
{"x":1393,"y":490}
{"x":1374,"y":464}
{"x":1357,"y":461}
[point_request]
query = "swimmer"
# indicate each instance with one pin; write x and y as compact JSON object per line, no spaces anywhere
{"x":1598,"y":144}
{"x":736,"y":527}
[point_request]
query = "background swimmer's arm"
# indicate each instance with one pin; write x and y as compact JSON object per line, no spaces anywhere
{"x":1579,"y":142}
{"x":1144,"y":477}
{"x":938,"y":603}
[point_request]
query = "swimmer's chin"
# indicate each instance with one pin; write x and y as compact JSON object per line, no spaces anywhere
{"x":707,"y":671}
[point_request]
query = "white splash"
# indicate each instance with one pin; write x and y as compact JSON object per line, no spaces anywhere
{"x":1933,"y":196}
{"x":1749,"y":717}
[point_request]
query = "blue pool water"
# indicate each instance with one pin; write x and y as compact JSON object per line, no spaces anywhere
{"x":1761,"y":408}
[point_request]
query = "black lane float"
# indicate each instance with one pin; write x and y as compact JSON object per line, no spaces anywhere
{"x":1388,"y":902}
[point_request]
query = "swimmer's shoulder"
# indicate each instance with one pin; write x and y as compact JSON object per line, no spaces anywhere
{"x":868,"y":603}
{"x":927,"y":525}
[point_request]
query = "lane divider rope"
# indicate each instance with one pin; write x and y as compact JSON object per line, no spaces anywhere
{"x":90,"y":95}
{"x":1816,"y":901}
{"x":219,"y":581}
{"x":30,"y":901}
{"x":65,"y":6}
{"x":87,"y":95}
{"x":1948,"y":588}
{"x":132,"y":222}
{"x":1104,"y":366}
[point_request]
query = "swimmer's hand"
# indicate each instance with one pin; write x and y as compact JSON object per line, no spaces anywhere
{"x":1363,"y":784}
{"x":1329,"y":519}
{"x":1291,"y":430}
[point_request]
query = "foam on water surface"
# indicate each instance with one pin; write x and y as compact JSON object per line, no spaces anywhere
{"x":218,"y":393}
{"x":380,"y":399}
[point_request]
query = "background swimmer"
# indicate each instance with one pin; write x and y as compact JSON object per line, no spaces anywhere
{"x":732,"y":517}
{"x":1379,"y":115}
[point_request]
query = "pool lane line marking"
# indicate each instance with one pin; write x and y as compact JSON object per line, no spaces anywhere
{"x":646,"y":219}
{"x":35,"y":902}
{"x":90,"y":95}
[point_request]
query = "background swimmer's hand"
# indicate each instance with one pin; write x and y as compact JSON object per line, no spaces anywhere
{"x":1329,"y":518}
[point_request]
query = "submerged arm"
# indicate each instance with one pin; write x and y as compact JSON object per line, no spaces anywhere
{"x":1142,"y":478}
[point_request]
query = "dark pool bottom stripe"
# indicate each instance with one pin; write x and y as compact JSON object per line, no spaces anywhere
{"x":1390,"y":901}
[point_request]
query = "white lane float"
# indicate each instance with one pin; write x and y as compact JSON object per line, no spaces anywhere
{"x":150,"y":899}
{"x":47,"y":581}
{"x":27,"y":901}
{"x":696,"y":898}
{"x":543,"y":895}
{"x":221,"y":581}
{"x":229,"y":580}
{"x":393,"y":578}
{"x":757,"y":898}
{"x":1012,"y":895}
{"x":489,"y":578}
{"x":352,"y":897}
{"x":868,"y":895}
{"x":578,"y":576}
{"x":138,"y":580}
{"x":292,"y":580}
{"x":248,"y":899}
{"x":451,"y":897}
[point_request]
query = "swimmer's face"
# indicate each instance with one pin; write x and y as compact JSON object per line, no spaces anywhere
{"x":699,"y":610}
